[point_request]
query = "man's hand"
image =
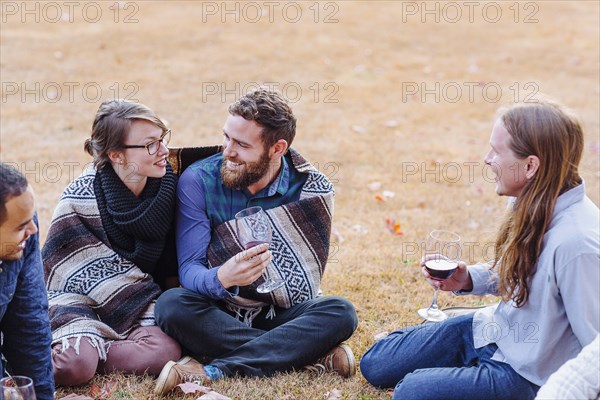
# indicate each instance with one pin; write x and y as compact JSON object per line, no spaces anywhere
{"x":459,"y":280}
{"x":245,"y":267}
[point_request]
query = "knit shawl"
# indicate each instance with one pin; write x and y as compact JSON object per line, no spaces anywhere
{"x":93,"y":291}
{"x":300,"y":247}
{"x":136,"y":227}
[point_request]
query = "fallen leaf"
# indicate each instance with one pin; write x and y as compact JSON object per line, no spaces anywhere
{"x":380,"y":336}
{"x":335,"y":394}
{"x":388,"y":194}
{"x":190,"y":387}
{"x":380,"y":198}
{"x":102,"y":393}
{"x":394,"y":227}
{"x":336,"y":234}
{"x":95,"y":390}
{"x":359,"y":129}
{"x":213,"y":396}
{"x":373,"y":186}
{"x":358,"y":228}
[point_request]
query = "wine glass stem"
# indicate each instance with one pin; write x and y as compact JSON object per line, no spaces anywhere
{"x":434,"y":306}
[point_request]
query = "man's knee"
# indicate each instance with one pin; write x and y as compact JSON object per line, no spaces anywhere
{"x":168,"y":309}
{"x":346,"y":318}
{"x":71,"y":368}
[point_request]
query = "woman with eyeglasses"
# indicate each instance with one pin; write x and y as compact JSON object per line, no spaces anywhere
{"x":109,"y":251}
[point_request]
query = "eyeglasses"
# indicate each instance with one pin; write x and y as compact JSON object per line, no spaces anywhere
{"x":152,"y":146}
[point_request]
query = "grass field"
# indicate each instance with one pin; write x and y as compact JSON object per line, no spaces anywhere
{"x":395,"y":102}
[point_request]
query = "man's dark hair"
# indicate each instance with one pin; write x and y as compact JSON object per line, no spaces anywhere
{"x":271,"y":111}
{"x":12,"y":184}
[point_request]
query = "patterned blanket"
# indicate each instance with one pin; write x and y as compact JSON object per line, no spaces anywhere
{"x":92,"y":291}
{"x":300,"y":246}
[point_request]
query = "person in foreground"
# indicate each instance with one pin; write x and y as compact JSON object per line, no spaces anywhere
{"x":108,"y":251}
{"x":24,"y":325}
{"x":578,"y":378}
{"x":546,"y":270}
{"x":218,"y":313}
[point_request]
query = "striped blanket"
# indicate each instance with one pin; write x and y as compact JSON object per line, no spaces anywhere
{"x":92,"y":291}
{"x":300,"y":246}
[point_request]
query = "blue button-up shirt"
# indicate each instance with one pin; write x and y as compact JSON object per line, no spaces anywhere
{"x":24,"y":319}
{"x":205,"y":202}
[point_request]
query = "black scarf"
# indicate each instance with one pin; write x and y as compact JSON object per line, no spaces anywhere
{"x":136,"y":227}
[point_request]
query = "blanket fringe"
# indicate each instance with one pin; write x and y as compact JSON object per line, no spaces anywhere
{"x":271,"y":314}
{"x":96,"y":343}
{"x":244,"y":314}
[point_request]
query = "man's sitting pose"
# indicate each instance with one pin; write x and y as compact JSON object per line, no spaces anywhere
{"x":218,"y":313}
{"x":24,"y":322}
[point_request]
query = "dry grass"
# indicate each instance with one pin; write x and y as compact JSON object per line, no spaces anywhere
{"x":289,"y":386}
{"x":370,"y":55}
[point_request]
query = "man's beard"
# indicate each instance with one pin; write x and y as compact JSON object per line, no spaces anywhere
{"x":247,"y":175}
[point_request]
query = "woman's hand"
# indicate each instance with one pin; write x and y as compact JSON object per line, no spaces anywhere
{"x":459,"y":280}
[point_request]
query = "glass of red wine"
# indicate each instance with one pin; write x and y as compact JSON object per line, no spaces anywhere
{"x":442,"y":253}
{"x":253,"y":228}
{"x":17,"y":388}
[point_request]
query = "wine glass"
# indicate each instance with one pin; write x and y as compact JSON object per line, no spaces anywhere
{"x":17,"y":388}
{"x":253,"y":229}
{"x":442,"y":251}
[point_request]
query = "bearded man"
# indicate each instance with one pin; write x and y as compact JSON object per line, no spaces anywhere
{"x":218,"y":314}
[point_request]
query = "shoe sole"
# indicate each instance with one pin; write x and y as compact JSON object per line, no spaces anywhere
{"x":164,"y":374}
{"x":351,"y":360}
{"x":162,"y":378}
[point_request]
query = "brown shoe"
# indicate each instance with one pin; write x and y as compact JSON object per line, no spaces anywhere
{"x":173,"y":373}
{"x":340,"y":360}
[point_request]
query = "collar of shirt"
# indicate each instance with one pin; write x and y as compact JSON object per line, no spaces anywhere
{"x":279,"y":185}
{"x":568,"y":198}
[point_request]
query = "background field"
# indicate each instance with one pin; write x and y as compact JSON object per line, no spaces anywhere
{"x":395,"y":102}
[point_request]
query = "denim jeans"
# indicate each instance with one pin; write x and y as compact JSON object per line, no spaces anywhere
{"x":293,"y":338}
{"x":439,"y":361}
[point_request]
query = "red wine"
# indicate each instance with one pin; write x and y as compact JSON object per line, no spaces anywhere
{"x":441,"y":269}
{"x":254,"y":243}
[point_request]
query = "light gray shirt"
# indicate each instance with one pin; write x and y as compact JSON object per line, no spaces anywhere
{"x":562,"y":313}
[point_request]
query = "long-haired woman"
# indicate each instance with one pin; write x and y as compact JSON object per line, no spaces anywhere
{"x":546,"y":271}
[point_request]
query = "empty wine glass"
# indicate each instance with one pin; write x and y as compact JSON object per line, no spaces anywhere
{"x":17,"y":388}
{"x":442,"y":251}
{"x":253,"y":228}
